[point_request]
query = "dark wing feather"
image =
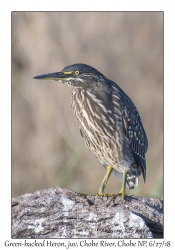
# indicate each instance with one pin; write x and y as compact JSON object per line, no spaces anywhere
{"x":133,"y":128}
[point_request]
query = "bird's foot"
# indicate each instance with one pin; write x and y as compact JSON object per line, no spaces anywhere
{"x":111,"y":195}
{"x":104,"y":195}
{"x":122,"y":193}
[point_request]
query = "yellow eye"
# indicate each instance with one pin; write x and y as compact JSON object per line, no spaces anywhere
{"x":76,"y":73}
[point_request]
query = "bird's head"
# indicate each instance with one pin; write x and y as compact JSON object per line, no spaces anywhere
{"x":77,"y":76}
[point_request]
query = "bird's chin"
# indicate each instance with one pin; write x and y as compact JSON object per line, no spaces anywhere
{"x":61,"y":81}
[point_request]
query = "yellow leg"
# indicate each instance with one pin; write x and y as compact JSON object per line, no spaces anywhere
{"x":122,"y":190}
{"x":104,"y":182}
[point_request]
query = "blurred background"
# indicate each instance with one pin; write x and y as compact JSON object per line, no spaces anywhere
{"x":47,"y":148}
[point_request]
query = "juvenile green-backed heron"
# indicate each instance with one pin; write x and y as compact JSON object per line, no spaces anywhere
{"x":109,"y":122}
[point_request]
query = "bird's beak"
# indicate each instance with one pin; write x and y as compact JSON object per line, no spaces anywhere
{"x":52,"y":76}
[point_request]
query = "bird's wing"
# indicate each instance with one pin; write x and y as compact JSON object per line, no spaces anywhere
{"x":133,"y":128}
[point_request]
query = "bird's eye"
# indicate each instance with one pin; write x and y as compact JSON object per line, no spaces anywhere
{"x":76,"y":73}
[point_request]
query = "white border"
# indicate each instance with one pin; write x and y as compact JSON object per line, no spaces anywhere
{"x":5,"y":93}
